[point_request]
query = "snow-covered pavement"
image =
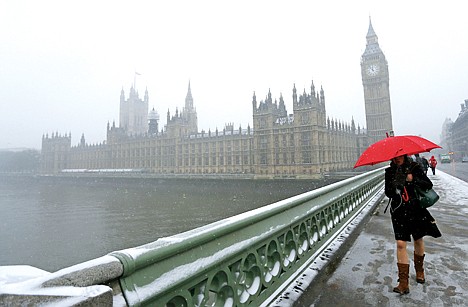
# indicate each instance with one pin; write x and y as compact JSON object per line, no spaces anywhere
{"x":368,"y":272}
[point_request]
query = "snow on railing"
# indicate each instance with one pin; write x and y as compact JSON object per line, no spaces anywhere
{"x":247,"y":259}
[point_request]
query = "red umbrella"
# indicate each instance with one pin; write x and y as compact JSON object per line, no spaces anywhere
{"x":391,"y":147}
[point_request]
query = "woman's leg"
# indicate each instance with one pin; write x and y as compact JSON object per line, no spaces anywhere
{"x":419,"y":260}
{"x":403,"y":268}
{"x":419,"y":247}
{"x":402,"y":255}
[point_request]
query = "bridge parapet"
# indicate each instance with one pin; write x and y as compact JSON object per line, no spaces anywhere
{"x":94,"y":282}
{"x":244,"y":260}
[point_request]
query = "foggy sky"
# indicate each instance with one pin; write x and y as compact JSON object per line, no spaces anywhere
{"x":64,"y":63}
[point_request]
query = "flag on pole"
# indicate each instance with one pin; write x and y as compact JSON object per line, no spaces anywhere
{"x":134,"y":79}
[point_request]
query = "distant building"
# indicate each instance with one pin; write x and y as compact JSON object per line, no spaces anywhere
{"x":303,"y":144}
{"x":459,"y":134}
{"x":446,"y":135}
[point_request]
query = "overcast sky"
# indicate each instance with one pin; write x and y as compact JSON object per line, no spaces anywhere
{"x":64,"y":63}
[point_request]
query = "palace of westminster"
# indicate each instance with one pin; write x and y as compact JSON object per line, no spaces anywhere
{"x":305,"y":144}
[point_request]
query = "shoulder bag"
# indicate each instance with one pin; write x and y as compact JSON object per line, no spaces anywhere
{"x":426,"y":197}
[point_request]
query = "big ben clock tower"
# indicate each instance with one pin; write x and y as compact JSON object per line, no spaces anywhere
{"x":375,"y":80}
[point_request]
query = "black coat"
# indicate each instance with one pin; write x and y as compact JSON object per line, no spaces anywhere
{"x":395,"y":180}
{"x":407,"y":215}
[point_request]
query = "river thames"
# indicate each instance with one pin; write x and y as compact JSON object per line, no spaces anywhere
{"x":52,"y":223}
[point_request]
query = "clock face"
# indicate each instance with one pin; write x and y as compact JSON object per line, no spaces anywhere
{"x":372,"y":69}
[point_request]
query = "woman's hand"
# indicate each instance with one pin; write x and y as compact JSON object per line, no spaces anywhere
{"x":409,"y":177}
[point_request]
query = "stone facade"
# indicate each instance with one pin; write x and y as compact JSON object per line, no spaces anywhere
{"x":305,"y":144}
{"x":454,"y":135}
{"x":55,"y":152}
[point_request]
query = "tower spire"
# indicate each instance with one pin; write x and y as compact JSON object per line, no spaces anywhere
{"x":371,"y":36}
{"x":189,"y":98}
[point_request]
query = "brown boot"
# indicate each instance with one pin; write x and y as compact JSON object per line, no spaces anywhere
{"x":403,"y":275}
{"x":418,"y":265}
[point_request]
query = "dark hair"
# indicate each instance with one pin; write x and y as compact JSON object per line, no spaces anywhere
{"x":406,"y":160}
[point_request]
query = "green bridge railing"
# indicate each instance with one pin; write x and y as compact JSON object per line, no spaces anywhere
{"x":244,"y":260}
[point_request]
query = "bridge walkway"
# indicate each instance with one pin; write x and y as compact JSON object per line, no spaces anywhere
{"x":367,"y":273}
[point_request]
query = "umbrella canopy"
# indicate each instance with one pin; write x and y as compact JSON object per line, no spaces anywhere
{"x":391,"y":147}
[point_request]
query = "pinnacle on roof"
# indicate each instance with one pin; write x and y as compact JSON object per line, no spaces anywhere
{"x":371,"y":31}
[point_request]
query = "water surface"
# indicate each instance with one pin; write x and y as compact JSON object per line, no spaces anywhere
{"x":52,"y":223}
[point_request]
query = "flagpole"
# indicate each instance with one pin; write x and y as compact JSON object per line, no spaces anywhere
{"x":134,"y":79}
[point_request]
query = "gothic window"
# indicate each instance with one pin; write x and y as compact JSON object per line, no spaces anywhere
{"x":305,"y":118}
{"x":262,"y":123}
{"x":263,"y":142}
{"x":305,"y":139}
{"x":306,"y":157}
{"x":263,"y":159}
{"x":213,"y":159}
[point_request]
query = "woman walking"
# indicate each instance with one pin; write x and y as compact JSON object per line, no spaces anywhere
{"x":409,"y":219}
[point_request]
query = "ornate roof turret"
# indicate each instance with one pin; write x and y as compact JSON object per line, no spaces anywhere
{"x":281,"y":102}
{"x":153,"y":115}
{"x":294,"y":94}
{"x":122,"y":95}
{"x":254,"y":101}
{"x":322,"y":95}
{"x":372,"y":46}
{"x":312,"y":89}
{"x":370,"y":32}
{"x":189,"y":99}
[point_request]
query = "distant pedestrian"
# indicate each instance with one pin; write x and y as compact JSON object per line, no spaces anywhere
{"x":419,"y":160}
{"x":409,"y":219}
{"x":425,"y":164}
{"x":433,"y":164}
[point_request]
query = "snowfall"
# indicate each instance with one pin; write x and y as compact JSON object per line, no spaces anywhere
{"x":446,"y":262}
